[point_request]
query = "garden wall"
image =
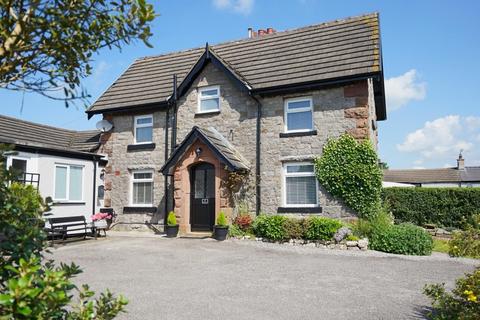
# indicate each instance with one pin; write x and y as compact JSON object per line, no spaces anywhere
{"x":445,"y":207}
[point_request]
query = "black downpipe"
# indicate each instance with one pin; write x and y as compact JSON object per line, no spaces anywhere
{"x":165,"y":191}
{"x":258,"y":189}
{"x":174,"y":133}
{"x":94,"y":200}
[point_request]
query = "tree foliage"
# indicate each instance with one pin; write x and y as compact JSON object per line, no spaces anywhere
{"x":46,"y":46}
{"x":349,"y":170}
{"x":30,"y":287}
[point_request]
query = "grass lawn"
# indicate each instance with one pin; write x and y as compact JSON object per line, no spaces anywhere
{"x":440,"y":245}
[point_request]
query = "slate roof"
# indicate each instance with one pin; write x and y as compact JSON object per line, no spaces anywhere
{"x":218,"y":144}
{"x":333,"y":50}
{"x":417,"y":176}
{"x":25,"y":133}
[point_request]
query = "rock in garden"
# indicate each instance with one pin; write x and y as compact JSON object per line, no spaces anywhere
{"x":342,"y":233}
{"x":363,"y":243}
{"x":352,"y":243}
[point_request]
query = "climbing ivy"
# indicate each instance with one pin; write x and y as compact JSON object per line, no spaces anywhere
{"x":349,"y":170}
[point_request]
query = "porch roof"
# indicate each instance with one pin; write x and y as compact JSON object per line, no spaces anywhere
{"x":225,"y":151}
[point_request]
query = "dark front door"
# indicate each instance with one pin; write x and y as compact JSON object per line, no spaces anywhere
{"x":202,"y":197}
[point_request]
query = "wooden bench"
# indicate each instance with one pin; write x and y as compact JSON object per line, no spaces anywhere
{"x":65,"y":225}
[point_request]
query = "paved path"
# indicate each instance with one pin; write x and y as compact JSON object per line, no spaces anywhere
{"x":204,"y":279}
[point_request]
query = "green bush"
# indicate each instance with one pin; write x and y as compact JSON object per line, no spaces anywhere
{"x":270,"y":227}
{"x":349,"y":170}
{"x":235,"y":231}
{"x":462,"y":303}
{"x":222,"y":220}
{"x":404,"y":238}
{"x":171,"y":219}
{"x":465,"y":244}
{"x":444,"y":207}
{"x":319,"y":228}
{"x":294,"y":228}
{"x":381,"y":221}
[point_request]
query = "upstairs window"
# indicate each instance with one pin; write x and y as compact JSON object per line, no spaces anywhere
{"x":298,"y":115}
{"x":143,"y":129}
{"x":208,"y":99}
{"x":300,"y":185}
{"x":142,"y":188}
{"x":68,"y":183}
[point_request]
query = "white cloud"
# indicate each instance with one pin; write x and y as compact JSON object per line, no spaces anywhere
{"x":473,"y":123}
{"x":239,"y":6}
{"x":403,"y":89}
{"x":440,"y":140}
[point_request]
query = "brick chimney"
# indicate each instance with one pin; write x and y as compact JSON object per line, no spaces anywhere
{"x":261,"y":32}
{"x":460,"y":162}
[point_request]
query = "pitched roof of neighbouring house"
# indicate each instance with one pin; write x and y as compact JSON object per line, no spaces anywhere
{"x":216,"y":142}
{"x":25,"y":133}
{"x":341,"y":49}
{"x":469,"y":174}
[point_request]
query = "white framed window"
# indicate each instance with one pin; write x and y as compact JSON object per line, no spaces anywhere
{"x":68,"y":185}
{"x":298,"y":114}
{"x":142,"y":188}
{"x":208,"y":99}
{"x":300,"y":185}
{"x":143,"y":129}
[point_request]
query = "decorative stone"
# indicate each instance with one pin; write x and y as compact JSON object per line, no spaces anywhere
{"x":310,"y":245}
{"x":363,"y":243}
{"x":442,"y":232}
{"x":331,"y":246}
{"x":341,"y":234}
{"x":342,"y":247}
{"x":353,"y":248}
{"x":352,"y":243}
{"x":258,"y":239}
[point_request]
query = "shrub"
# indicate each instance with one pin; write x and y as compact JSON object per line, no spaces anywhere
{"x":465,"y":244}
{"x":319,"y":228}
{"x":349,"y":170}
{"x":351,"y":237}
{"x":270,"y":227}
{"x":243,"y":221}
{"x":462,"y":303}
{"x":364,"y":227}
{"x":235,"y":231}
{"x":445,"y":207}
{"x":222,"y":220}
{"x":171,"y":219}
{"x":401,"y":239}
{"x":294,"y":228}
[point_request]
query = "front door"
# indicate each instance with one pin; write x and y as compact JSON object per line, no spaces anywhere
{"x":202,"y":197}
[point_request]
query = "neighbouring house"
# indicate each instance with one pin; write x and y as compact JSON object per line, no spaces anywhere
{"x":236,"y":126}
{"x":459,"y":176}
{"x":62,"y":164}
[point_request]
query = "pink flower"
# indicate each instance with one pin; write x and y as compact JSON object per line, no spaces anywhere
{"x":101,"y":216}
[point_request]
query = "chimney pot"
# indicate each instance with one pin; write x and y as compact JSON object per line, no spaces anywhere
{"x":250,"y":32}
{"x":460,"y":162}
{"x":270,"y":30}
{"x":261,"y":32}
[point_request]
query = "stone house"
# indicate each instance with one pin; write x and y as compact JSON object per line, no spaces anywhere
{"x":237,"y":125}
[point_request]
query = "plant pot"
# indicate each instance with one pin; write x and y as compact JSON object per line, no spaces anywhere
{"x":220,"y":232}
{"x":171,"y":231}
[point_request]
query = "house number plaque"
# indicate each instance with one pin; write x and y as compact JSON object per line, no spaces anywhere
{"x":204,"y":201}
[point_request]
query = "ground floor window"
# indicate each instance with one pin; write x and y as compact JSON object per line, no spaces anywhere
{"x":68,"y":182}
{"x":300,"y":185}
{"x":142,"y":188}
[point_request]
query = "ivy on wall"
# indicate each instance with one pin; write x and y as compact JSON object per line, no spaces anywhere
{"x":349,"y":170}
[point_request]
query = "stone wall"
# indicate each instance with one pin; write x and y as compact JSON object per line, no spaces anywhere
{"x":336,"y":110}
{"x":121,"y":162}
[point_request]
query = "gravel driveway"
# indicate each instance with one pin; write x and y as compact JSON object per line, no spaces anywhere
{"x":204,"y":279}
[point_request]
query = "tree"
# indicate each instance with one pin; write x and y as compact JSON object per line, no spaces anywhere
{"x":47,"y":45}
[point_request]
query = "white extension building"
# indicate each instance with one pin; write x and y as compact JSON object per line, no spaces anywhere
{"x":61,"y":163}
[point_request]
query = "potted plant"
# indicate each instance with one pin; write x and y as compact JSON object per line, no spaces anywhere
{"x":220,"y":230}
{"x":172,"y":225}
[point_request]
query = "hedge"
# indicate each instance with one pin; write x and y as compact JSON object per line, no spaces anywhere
{"x":444,"y":207}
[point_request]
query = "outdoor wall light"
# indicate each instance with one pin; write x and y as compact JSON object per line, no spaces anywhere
{"x":198,"y":151}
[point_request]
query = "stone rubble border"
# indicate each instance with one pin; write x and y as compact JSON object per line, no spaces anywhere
{"x":357,"y":245}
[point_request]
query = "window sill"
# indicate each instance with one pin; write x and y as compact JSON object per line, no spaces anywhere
{"x":299,"y":210}
{"x":298,"y":134}
{"x":207,"y":113}
{"x":139,"y":209}
{"x":62,"y":203}
{"x":141,"y":147}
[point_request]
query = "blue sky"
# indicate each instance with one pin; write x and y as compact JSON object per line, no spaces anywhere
{"x":431,"y":52}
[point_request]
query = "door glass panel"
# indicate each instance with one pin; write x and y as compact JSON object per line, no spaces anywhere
{"x":199,"y":184}
{"x":210,"y":183}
